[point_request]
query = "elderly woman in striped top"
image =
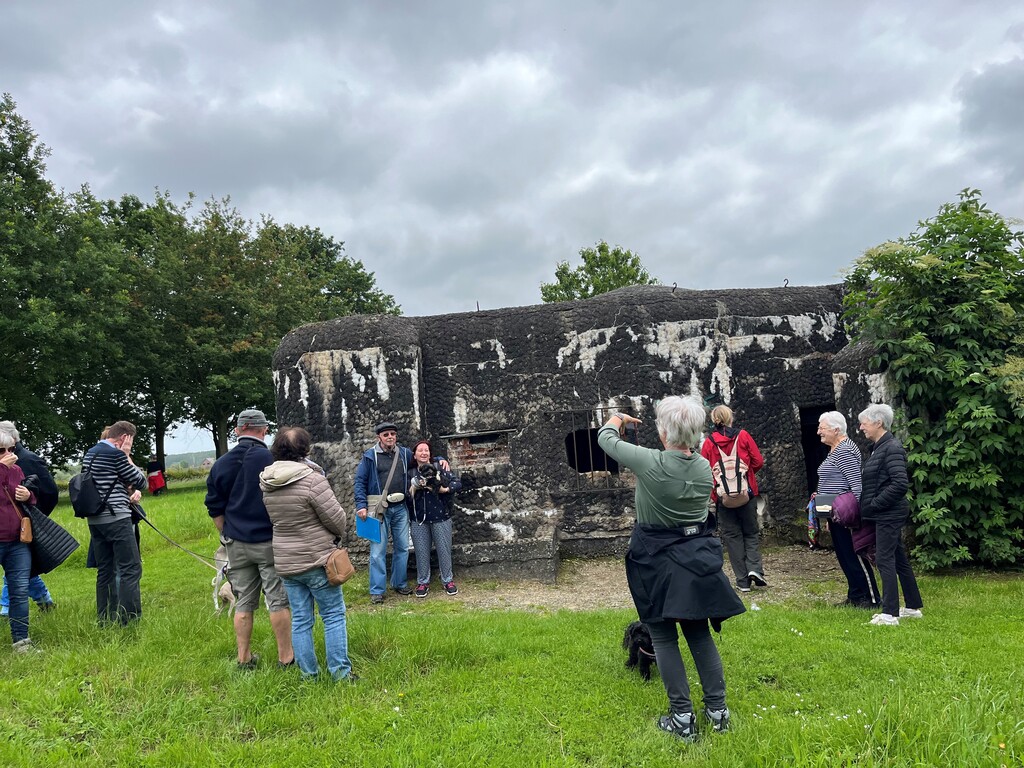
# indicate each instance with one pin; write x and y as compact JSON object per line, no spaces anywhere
{"x":840,"y":473}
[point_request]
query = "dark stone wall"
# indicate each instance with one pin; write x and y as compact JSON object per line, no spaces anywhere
{"x":518,"y":381}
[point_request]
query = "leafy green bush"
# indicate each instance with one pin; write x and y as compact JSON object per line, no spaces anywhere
{"x":942,"y":307}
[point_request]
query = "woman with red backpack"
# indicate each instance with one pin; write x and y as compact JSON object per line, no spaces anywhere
{"x":735,"y":459}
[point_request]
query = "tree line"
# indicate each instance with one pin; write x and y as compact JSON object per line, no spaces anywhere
{"x":148,"y":310}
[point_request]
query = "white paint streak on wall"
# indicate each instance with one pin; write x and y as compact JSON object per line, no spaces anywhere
{"x":320,"y":367}
{"x":665,"y":376}
{"x":303,"y":388}
{"x":829,"y":325}
{"x":839,"y":383}
{"x":414,"y":382}
{"x":507,"y":532}
{"x":721,"y":378}
{"x":587,"y":346}
{"x":680,"y":342}
{"x":497,"y":348}
{"x":694,"y":383}
{"x":802,"y":325}
{"x":461,"y":413}
{"x":792,"y":363}
{"x":878,"y":387}
{"x":737,"y":345}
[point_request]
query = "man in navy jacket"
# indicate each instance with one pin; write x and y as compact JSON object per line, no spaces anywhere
{"x":235,"y":502}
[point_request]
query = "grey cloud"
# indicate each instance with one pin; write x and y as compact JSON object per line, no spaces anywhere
{"x":472,"y":150}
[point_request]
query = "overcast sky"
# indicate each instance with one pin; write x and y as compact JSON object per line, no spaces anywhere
{"x":461,"y":150}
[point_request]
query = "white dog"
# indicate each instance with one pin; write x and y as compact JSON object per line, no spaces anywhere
{"x":221,"y":586}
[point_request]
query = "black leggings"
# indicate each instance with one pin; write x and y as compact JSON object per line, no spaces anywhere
{"x":673,"y":672}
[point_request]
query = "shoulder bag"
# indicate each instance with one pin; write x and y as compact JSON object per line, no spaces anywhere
{"x":25,"y":532}
{"x":377,"y":502}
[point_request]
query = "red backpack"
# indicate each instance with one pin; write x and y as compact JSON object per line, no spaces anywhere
{"x":732,"y":485}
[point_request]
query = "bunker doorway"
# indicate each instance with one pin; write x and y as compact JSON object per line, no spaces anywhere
{"x":815,"y":451}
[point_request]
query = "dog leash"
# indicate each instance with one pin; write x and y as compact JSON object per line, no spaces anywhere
{"x":172,"y":542}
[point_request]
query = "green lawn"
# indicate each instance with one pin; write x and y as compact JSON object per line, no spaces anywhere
{"x":442,"y":685}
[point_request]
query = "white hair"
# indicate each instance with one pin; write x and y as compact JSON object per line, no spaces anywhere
{"x":680,"y":420}
{"x":834,"y":419}
{"x":877,"y":413}
{"x":8,"y":434}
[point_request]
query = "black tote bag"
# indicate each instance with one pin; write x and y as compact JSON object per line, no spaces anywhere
{"x":51,"y":544}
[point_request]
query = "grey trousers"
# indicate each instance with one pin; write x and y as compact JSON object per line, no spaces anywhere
{"x":441,"y":535}
{"x":673,"y":673}
{"x":739,"y":532}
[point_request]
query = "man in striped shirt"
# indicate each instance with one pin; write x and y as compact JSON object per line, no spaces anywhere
{"x":118,"y":563}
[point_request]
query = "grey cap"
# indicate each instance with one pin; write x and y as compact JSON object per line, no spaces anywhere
{"x":384,"y":426}
{"x":251,"y":417}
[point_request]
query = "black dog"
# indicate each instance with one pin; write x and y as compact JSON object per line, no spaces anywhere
{"x":637,"y":641}
{"x":429,"y":477}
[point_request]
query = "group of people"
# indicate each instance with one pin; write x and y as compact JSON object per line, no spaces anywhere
{"x":280,"y":521}
{"x":674,"y":564}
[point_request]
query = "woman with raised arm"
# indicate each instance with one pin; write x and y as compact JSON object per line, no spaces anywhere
{"x":674,"y":562}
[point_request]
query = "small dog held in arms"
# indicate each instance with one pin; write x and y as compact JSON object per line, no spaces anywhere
{"x":637,"y":641}
{"x":221,"y":587}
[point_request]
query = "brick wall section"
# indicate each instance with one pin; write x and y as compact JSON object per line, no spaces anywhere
{"x":466,"y":454}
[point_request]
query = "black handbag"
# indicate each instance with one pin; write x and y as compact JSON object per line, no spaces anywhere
{"x":51,"y":544}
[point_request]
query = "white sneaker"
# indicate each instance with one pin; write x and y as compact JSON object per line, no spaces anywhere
{"x":23,"y":646}
{"x":884,"y":619}
{"x":911,"y":613}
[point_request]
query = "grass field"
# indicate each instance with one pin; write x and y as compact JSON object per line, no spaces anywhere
{"x":443,"y":685}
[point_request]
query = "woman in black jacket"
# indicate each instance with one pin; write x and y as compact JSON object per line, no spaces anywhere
{"x":883,"y":501}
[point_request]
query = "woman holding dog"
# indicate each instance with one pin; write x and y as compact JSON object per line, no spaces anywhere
{"x":307,"y":522}
{"x":674,"y":562}
{"x":432,"y":490}
{"x":737,"y":524}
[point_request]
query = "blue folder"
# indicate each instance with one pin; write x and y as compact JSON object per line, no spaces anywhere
{"x":369,"y":529}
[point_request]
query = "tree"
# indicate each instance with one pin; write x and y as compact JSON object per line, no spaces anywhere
{"x":603,"y":270}
{"x":943,"y":309}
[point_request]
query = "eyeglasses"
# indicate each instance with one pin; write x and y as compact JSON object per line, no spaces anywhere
{"x":389,"y":434}
{"x":6,"y":450}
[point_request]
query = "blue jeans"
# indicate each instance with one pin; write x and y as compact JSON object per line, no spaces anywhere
{"x":36,"y":591}
{"x":16,"y":560}
{"x":396,"y":524}
{"x":303,"y":590}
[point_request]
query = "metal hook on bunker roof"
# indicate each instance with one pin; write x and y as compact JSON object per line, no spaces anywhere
{"x":785,"y":283}
{"x":674,"y":286}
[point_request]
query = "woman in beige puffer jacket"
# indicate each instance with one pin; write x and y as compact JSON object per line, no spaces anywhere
{"x":308,"y":521}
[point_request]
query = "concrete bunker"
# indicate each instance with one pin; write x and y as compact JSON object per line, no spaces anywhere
{"x":513,"y":397}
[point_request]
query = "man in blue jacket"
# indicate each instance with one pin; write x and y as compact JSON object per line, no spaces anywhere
{"x":371,"y":477}
{"x":235,"y":502}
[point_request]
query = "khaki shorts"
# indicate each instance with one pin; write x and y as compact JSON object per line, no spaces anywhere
{"x":250,"y":569}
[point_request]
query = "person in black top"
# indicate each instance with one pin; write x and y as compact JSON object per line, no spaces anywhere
{"x":883,"y":501}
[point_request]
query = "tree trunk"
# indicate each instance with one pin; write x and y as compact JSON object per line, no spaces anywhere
{"x":159,"y":429}
{"x":219,"y":427}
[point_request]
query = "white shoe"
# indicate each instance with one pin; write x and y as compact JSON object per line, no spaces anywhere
{"x":884,"y":619}
{"x":911,"y":613}
{"x":23,"y":646}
